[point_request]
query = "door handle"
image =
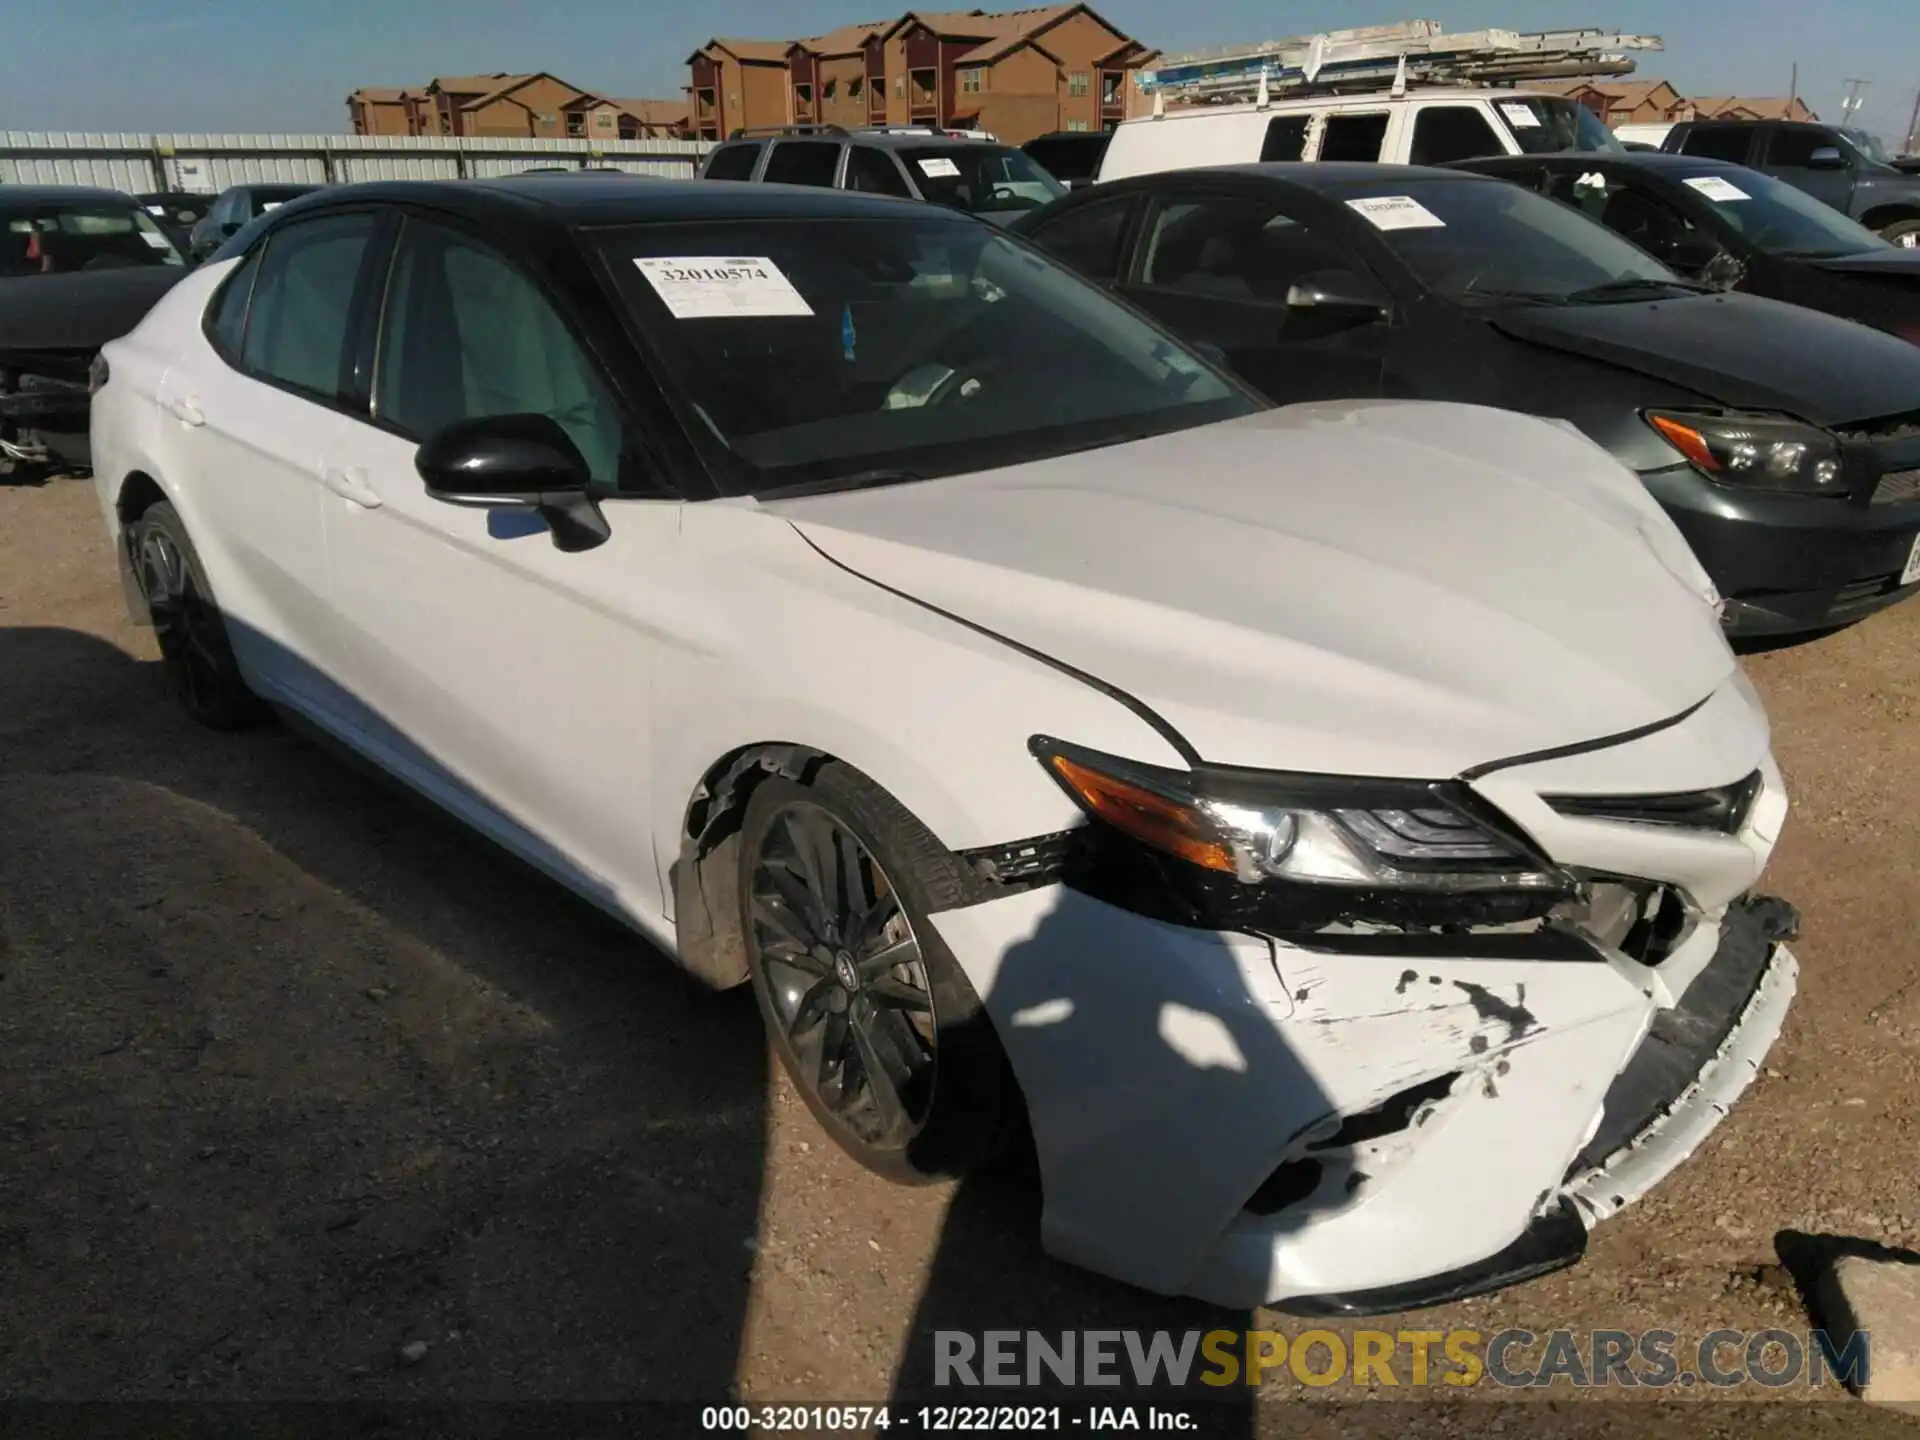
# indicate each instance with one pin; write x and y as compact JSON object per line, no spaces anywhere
{"x":350,"y":483}
{"x":186,"y":410}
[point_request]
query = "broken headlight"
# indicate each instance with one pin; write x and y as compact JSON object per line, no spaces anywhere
{"x":1767,"y":452}
{"x":1323,"y":831}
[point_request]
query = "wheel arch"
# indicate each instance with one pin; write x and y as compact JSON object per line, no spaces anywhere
{"x":708,"y":936}
{"x":138,"y":492}
{"x":1891,"y":213}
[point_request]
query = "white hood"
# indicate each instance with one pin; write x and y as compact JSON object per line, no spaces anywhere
{"x":1383,"y":588}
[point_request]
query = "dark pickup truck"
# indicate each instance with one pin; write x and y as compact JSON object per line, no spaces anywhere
{"x":1845,"y":168}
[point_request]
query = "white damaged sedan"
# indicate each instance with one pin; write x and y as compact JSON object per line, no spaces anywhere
{"x":1326,"y":834}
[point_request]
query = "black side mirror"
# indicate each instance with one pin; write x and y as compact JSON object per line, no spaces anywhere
{"x":1344,"y":293}
{"x":504,"y":461}
{"x":1827,"y":157}
{"x":1211,"y":353}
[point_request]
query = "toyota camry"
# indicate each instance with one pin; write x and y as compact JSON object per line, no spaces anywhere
{"x":1324,"y":834}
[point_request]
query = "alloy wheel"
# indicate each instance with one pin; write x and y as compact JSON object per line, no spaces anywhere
{"x":845,"y":974}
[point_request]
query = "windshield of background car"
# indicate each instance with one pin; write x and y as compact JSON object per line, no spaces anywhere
{"x":1548,"y":125}
{"x":1780,"y":219}
{"x":57,"y":239}
{"x":980,"y":179}
{"x":1868,"y":145}
{"x":857,"y":351}
{"x":272,"y":197}
{"x":1483,"y":242}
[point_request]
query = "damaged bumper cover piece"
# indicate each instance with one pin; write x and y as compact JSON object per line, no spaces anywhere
{"x":1354,"y":1115}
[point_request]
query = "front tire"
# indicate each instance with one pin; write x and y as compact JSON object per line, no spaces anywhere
{"x":192,"y":634}
{"x":870,"y":1014}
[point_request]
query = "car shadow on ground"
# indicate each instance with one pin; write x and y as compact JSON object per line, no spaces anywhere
{"x":309,"y":1092}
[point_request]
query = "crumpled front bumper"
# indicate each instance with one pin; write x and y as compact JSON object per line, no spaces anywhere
{"x":1379,"y":1125}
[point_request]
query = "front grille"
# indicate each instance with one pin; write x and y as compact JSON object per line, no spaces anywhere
{"x":1897,"y":487}
{"x":1887,"y":427}
{"x":1722,"y":809}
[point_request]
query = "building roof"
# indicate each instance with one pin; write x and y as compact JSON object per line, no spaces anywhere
{"x":844,"y":41}
{"x":1759,"y":107}
{"x":769,"y":52}
{"x":654,"y":112}
{"x":379,"y":94}
{"x":515,"y":82}
{"x":469,"y":84}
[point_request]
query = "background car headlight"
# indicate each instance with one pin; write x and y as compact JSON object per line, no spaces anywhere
{"x":1767,"y":452}
{"x":1315,"y":830}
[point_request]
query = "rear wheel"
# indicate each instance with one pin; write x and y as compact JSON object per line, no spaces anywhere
{"x":1904,"y":233}
{"x":869,"y":1012}
{"x":194,"y":649}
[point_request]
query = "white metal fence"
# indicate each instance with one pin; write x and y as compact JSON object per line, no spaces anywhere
{"x":141,"y":164}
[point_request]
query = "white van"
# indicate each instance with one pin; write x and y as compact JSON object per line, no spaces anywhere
{"x":1419,"y":127}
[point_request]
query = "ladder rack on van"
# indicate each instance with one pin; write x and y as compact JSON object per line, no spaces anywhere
{"x":1377,"y":57}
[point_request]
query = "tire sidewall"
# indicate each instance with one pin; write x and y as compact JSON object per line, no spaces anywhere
{"x":233,"y":705}
{"x":968,"y":1111}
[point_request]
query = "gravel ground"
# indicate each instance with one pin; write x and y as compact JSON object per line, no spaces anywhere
{"x":307,"y":1095}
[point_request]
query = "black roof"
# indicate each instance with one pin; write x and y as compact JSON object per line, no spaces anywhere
{"x":1657,"y":162}
{"x":62,"y":195}
{"x":587,"y":199}
{"x":1329,"y":176}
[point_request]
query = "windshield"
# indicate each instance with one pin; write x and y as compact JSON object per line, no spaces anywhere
{"x":272,"y":197}
{"x":1780,"y":219}
{"x":56,"y":239}
{"x":1869,"y":146}
{"x":980,"y":179}
{"x":1548,"y":125}
{"x":862,"y":351}
{"x":1476,"y":242}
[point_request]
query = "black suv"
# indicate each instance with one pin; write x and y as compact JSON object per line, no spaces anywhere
{"x":1847,"y":169}
{"x":982,"y":177}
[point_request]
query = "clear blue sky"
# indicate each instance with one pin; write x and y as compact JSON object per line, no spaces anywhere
{"x":287,"y":65}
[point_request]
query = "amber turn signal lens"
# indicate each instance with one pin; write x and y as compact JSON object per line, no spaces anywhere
{"x":1688,"y":441}
{"x":1150,"y":818}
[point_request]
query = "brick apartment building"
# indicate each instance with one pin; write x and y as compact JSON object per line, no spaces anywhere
{"x":516,"y":105}
{"x":1017,"y":74}
{"x":1652,"y":102}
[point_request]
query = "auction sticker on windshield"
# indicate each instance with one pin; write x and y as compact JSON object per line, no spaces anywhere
{"x":1912,"y":572}
{"x":1520,"y":116}
{"x":1714,"y":188}
{"x":1397,"y":212}
{"x":939,"y":167}
{"x":709,"y":287}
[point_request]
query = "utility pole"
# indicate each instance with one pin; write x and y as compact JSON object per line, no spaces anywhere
{"x":1793,"y":90}
{"x":1853,"y":101}
{"x":1913,"y":129}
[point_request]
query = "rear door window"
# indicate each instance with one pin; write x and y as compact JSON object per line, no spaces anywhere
{"x":733,"y":162}
{"x":1445,"y":133}
{"x":1719,"y":142}
{"x":297,"y":324}
{"x":1353,"y":137}
{"x":803,"y":162}
{"x":1286,"y":138}
{"x":1088,"y":238}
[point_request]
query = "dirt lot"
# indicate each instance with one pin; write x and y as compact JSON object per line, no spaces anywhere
{"x":296,"y":1078}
